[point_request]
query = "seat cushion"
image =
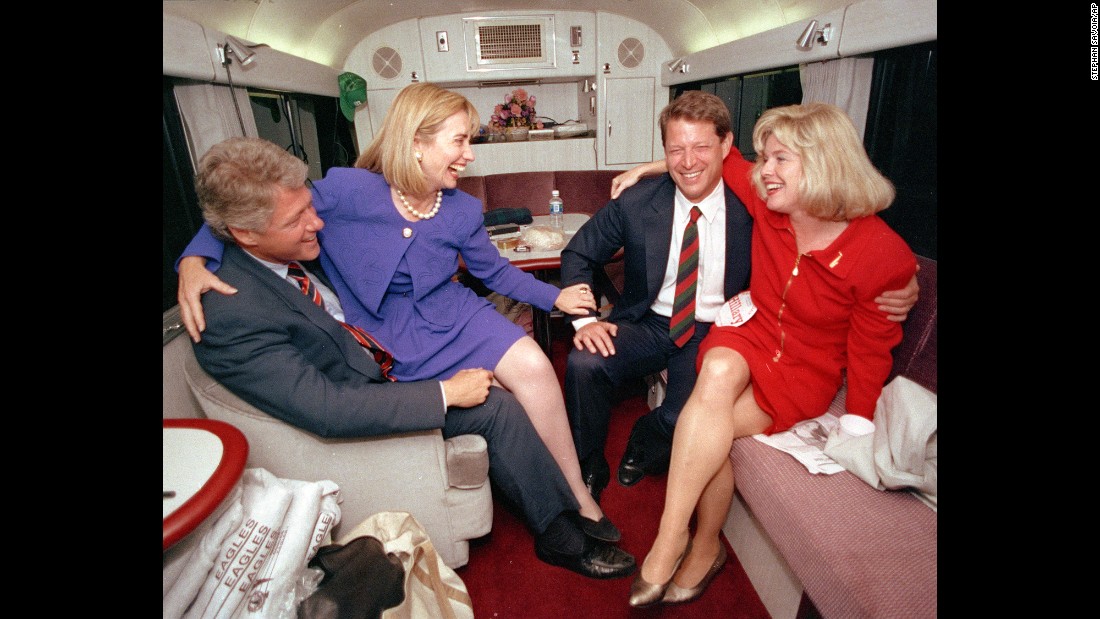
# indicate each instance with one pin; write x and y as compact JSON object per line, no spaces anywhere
{"x":858,"y":551}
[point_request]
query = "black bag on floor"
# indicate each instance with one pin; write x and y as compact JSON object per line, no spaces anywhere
{"x":360,"y":581}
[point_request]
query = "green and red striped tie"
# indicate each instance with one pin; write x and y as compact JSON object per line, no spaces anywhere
{"x":682,"y":324}
{"x":379,"y":352}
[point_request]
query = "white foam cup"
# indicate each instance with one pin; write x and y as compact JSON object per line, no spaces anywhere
{"x":855,"y":425}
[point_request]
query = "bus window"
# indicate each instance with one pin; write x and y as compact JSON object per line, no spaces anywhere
{"x":747,"y":96}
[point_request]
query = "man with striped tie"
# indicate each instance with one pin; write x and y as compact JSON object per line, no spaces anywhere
{"x":664,"y":310}
{"x":272,"y":332}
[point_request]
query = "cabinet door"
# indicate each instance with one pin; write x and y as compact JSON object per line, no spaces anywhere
{"x":628,"y":129}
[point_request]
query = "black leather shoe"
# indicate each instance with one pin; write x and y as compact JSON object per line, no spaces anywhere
{"x":599,"y":560}
{"x":630,"y":474}
{"x":602,"y":530}
{"x":596,"y":473}
{"x":647,"y":452}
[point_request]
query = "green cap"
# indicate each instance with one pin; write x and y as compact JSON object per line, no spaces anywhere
{"x":353,"y":93}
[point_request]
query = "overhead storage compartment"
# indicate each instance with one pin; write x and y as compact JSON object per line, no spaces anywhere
{"x":192,"y":51}
{"x":858,"y":28}
{"x":882,"y":24}
{"x":185,"y":53}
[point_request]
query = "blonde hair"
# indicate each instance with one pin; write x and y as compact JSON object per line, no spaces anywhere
{"x":839,"y":182}
{"x":418,"y":111}
{"x":237,"y":180}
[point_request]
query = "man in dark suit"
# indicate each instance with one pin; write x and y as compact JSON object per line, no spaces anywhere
{"x":647,"y":222}
{"x":289,"y":354}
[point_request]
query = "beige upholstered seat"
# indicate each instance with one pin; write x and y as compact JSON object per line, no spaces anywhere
{"x":443,"y":483}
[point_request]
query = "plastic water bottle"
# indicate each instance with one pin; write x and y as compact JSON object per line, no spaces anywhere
{"x":557,"y":211}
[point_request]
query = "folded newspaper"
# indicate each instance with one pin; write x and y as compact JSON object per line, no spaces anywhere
{"x":805,"y":441}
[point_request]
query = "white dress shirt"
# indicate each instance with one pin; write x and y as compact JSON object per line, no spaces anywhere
{"x":710,"y":290}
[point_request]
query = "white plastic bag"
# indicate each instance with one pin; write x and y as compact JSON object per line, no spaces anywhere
{"x":252,"y":562}
{"x":543,"y":238}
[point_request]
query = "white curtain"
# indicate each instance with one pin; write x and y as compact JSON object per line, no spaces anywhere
{"x":209,"y":115}
{"x":844,"y":82}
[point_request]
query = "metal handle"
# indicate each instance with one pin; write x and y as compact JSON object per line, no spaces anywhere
{"x":169,"y":332}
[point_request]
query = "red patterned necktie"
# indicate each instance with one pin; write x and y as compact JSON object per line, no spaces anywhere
{"x":682,"y":324}
{"x":381,"y":355}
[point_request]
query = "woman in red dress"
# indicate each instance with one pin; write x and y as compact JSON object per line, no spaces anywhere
{"x":820,"y":257}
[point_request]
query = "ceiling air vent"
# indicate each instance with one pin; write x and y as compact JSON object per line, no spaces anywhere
{"x":495,"y":43}
{"x":386,"y":62}
{"x":631,"y":52}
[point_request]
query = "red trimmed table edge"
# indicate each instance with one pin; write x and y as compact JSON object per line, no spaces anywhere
{"x":228,"y":472}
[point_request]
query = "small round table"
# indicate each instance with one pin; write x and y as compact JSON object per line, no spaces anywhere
{"x":203,"y":459}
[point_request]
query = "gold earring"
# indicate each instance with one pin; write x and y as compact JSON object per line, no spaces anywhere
{"x":419,"y":156}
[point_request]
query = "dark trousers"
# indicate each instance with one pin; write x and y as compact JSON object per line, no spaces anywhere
{"x":641,"y":348}
{"x":519,"y":463}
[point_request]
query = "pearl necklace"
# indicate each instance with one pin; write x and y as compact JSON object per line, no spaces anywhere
{"x":419,"y":215}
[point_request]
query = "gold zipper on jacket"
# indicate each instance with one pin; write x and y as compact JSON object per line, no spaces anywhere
{"x":782,"y":306}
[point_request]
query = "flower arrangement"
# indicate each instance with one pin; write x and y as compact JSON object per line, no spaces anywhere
{"x":518,"y":110}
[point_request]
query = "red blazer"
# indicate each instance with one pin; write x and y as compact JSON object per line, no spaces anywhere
{"x":830,"y":323}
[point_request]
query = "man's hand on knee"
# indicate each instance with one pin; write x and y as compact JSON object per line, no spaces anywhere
{"x":596,"y":337}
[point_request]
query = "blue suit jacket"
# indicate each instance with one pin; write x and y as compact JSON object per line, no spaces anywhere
{"x":278,"y":351}
{"x":640,"y":223}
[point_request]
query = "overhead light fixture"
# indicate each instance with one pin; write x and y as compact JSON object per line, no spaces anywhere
{"x":812,"y":33}
{"x":245,"y":55}
{"x":243,"y":51}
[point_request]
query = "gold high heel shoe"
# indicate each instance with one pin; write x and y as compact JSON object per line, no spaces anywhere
{"x":644,"y":593}
{"x":677,"y":594}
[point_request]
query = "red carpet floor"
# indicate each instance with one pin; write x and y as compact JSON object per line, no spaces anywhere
{"x":506,"y":580}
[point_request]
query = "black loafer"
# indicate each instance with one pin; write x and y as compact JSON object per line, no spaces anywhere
{"x":630,"y":474}
{"x":630,"y":469}
{"x":646,"y":453}
{"x":600,"y":560}
{"x":602,"y":530}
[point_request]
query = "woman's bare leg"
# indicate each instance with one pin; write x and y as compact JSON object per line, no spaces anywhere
{"x":714,"y":504}
{"x":527,"y":373}
{"x":700,"y":450}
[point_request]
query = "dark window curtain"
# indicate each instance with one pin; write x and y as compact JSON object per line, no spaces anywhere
{"x":901,"y":138}
{"x":181,"y":216}
{"x":338,"y":150}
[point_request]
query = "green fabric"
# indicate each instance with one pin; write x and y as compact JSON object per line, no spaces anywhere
{"x":353,"y":93}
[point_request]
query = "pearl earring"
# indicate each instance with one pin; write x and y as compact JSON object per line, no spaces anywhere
{"x":419,"y":156}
